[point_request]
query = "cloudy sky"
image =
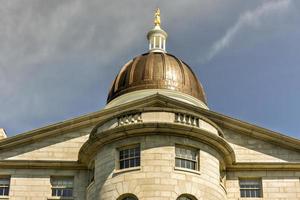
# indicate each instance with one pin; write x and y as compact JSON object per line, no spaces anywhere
{"x":58,"y":58}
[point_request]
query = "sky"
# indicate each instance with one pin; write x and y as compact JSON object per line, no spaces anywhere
{"x":59,"y":58}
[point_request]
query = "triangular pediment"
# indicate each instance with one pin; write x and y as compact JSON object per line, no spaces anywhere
{"x":156,"y":100}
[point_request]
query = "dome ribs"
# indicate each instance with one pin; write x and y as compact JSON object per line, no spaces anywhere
{"x":135,"y":61}
{"x":148,"y":69}
{"x":157,"y":70}
{"x":158,"y":67}
{"x":180,"y":64}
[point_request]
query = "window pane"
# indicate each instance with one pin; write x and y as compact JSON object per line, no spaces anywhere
{"x":129,"y":157}
{"x":4,"y":186}
{"x":131,"y":163}
{"x":62,"y":186}
{"x":184,"y":198}
{"x":126,"y":163}
{"x":250,"y":187}
{"x":186,"y":157}
{"x":129,"y":198}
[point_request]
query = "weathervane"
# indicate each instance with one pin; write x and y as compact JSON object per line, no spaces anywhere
{"x":157,"y":17}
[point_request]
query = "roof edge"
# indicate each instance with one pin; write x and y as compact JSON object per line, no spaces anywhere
{"x":95,"y":117}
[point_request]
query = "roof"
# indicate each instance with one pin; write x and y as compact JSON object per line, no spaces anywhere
{"x":156,"y":70}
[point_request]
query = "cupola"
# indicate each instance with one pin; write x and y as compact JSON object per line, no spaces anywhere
{"x":156,"y":72}
{"x":157,"y":37}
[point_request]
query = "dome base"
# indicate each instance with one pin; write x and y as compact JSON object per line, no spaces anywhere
{"x":135,"y":95}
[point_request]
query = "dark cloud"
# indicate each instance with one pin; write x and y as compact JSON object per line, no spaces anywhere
{"x":58,"y":58}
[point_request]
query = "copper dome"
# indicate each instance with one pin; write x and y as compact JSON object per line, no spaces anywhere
{"x":156,"y":70}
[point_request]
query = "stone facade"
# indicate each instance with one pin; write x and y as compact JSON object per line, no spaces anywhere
{"x":157,"y":177}
{"x":276,"y":185}
{"x":228,"y":150}
{"x":34,"y":184}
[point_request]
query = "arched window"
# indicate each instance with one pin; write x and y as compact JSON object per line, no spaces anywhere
{"x":127,"y":197}
{"x":186,"y":197}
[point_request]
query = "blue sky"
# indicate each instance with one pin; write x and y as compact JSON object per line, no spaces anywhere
{"x":58,"y":58}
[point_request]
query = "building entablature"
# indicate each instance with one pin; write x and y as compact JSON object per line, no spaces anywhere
{"x":160,"y":115}
{"x":101,"y":138}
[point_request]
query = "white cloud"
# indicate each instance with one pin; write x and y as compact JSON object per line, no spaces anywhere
{"x":250,"y":19}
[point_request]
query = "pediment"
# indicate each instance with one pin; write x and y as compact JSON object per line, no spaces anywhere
{"x":153,"y":101}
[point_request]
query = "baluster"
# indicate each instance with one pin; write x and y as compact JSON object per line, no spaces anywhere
{"x":176,"y":117}
{"x":189,"y":120}
{"x":140,"y":117}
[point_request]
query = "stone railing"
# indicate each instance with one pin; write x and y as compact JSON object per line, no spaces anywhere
{"x":158,"y":117}
{"x":187,"y":119}
{"x":130,"y":119}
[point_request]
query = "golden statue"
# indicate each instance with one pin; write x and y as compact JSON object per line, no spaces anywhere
{"x":157,"y":17}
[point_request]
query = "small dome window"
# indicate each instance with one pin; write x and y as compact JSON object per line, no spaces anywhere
{"x":128,"y":197}
{"x":186,"y":197}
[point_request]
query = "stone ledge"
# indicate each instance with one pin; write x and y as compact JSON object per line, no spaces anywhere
{"x":40,"y":164}
{"x":89,"y":148}
{"x":180,"y":169}
{"x":120,"y":171}
{"x":264,"y":166}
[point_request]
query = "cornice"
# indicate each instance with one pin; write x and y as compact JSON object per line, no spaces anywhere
{"x":40,"y":164}
{"x":267,"y":166}
{"x":90,"y":148}
{"x":150,"y":101}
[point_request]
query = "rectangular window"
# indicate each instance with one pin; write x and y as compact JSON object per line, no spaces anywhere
{"x":186,"y":157}
{"x":129,"y":157}
{"x":62,"y":186}
{"x":4,"y":186}
{"x":250,"y":188}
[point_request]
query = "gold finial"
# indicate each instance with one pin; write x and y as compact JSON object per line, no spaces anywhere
{"x":157,"y":17}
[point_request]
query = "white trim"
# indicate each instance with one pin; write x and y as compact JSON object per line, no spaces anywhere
{"x":135,"y":95}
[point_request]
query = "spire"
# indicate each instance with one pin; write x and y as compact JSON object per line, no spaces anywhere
{"x":157,"y":36}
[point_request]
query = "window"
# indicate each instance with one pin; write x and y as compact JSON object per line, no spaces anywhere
{"x":62,"y":186}
{"x":250,"y":187}
{"x":186,"y":197}
{"x":4,"y":186}
{"x":129,"y":157}
{"x":127,"y":197}
{"x":186,"y":157}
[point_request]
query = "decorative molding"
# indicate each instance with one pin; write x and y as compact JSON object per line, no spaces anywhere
{"x":159,"y":115}
{"x":158,"y":100}
{"x":98,"y":140}
{"x":271,"y":166}
{"x":40,"y":164}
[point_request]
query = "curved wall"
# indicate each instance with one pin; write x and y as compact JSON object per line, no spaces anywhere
{"x":157,"y":177}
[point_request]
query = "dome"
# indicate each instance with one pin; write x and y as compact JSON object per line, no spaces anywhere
{"x":156,"y":70}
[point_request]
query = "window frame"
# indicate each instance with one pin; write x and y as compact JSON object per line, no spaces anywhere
{"x":196,"y":161}
{"x":260,"y":188}
{"x":5,"y":186}
{"x":62,"y":187}
{"x":118,"y":160}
